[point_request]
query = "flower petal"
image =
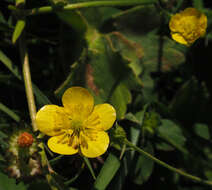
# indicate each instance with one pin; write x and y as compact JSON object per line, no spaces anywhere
{"x":102,"y":117}
{"x":78,"y":102}
{"x":93,"y":145}
{"x":187,"y":26}
{"x":60,"y":144}
{"x":203,"y":24}
{"x":179,"y":38}
{"x":51,"y":119}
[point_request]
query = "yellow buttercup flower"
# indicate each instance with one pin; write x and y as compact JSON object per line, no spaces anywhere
{"x":187,"y":26}
{"x":78,"y":126}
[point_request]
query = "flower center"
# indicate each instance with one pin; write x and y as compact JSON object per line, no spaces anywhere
{"x":76,"y":126}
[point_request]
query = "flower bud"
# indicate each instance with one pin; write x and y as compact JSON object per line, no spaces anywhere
{"x":25,"y":139}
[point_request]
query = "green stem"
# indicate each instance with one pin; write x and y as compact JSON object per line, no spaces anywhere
{"x":48,"y":9}
{"x":28,"y":81}
{"x":194,"y":178}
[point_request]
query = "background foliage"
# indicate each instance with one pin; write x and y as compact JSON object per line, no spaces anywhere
{"x":124,"y":55}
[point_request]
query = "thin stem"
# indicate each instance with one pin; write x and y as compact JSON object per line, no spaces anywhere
{"x":194,"y":178}
{"x":28,"y":81}
{"x":48,"y":9}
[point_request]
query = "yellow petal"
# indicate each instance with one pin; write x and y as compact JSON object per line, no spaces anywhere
{"x":202,"y":24}
{"x":51,"y":119}
{"x":102,"y":117}
{"x":61,"y":145}
{"x":179,"y":38}
{"x":175,"y":22}
{"x":95,"y":145}
{"x":78,"y":102}
{"x":190,"y":11}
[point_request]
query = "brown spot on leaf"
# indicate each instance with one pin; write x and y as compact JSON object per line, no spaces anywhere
{"x":90,"y":79}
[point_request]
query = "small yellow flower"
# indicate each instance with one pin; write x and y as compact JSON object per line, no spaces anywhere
{"x":78,"y":126}
{"x":187,"y":26}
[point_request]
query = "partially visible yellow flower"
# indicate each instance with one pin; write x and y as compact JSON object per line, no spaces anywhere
{"x":187,"y":26}
{"x":78,"y":126}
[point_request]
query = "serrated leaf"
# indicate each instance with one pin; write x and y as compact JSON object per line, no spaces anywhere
{"x":142,"y":53}
{"x":109,"y":70}
{"x":7,"y":183}
{"x":108,"y":171}
{"x":202,"y":130}
{"x":18,"y":30}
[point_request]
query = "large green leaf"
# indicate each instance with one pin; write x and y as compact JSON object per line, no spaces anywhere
{"x":107,"y":172}
{"x":109,"y":70}
{"x":7,"y":183}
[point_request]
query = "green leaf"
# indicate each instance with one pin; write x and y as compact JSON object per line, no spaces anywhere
{"x":172,"y":133}
{"x":74,"y":77}
{"x":8,"y":63}
{"x":129,"y":116}
{"x":41,"y":98}
{"x":56,"y":182}
{"x":18,"y":30}
{"x":108,"y":70}
{"x":96,"y":17}
{"x":58,"y":3}
{"x":119,"y":99}
{"x":117,"y":136}
{"x":202,"y":130}
{"x":151,"y":122}
{"x":9,"y":112}
{"x":10,"y":183}
{"x":107,"y":172}
{"x":2,"y":19}
{"x":144,"y":167}
{"x":75,"y":20}
{"x":198,"y":4}
{"x":142,"y":52}
{"x":191,"y":101}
